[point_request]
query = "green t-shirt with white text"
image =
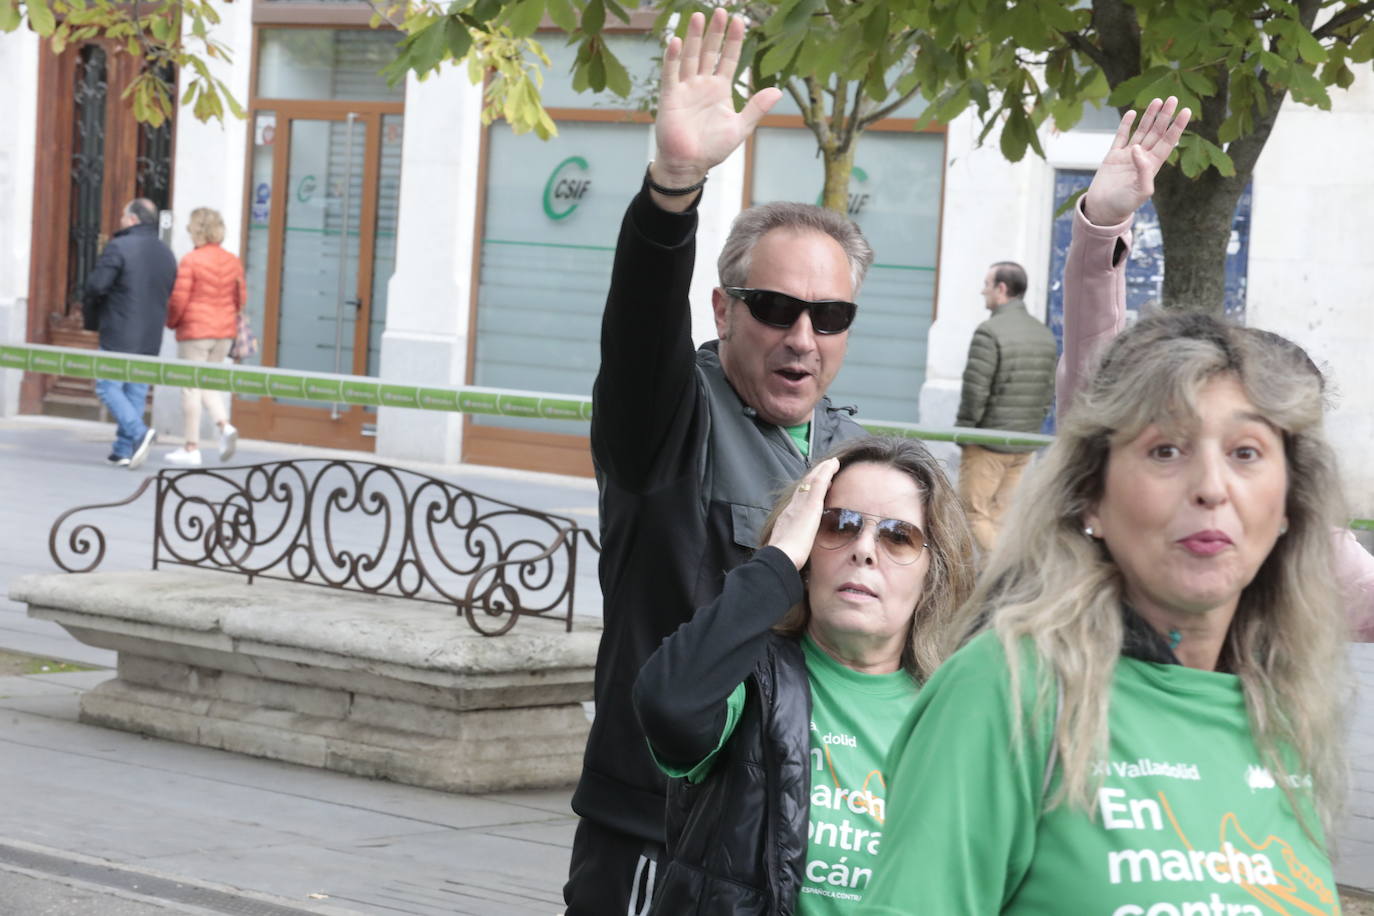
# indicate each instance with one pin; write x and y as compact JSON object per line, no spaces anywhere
{"x":853,"y":720}
{"x":1187,"y":820}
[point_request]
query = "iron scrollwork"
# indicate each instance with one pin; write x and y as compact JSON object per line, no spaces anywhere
{"x":357,"y":526}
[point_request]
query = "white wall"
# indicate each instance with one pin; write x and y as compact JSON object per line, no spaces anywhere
{"x":1311,"y":271}
{"x":208,"y":171}
{"x":19,"y":73}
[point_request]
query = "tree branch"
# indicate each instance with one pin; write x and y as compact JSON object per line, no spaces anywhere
{"x":838,"y":105}
{"x":851,"y":128}
{"x":1342,"y":19}
{"x":1089,"y":50}
{"x":813,"y":110}
{"x":879,"y":113}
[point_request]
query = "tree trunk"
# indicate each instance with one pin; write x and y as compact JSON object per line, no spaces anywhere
{"x":1195,"y":222}
{"x":839,"y":165}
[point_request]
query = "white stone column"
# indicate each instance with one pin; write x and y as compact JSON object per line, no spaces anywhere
{"x":430,"y":298}
{"x":19,"y":52}
{"x":993,"y":211}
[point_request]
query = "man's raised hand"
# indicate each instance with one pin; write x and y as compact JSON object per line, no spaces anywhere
{"x":697,"y":126}
{"x":1126,"y":178}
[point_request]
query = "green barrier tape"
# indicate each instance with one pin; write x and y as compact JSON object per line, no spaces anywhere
{"x":285,"y":383}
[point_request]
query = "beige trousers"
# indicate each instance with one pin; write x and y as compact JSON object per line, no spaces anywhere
{"x":203,"y":350}
{"x":987,"y":480}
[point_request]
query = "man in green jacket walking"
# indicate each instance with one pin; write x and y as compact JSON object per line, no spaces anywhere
{"x":1008,"y":384}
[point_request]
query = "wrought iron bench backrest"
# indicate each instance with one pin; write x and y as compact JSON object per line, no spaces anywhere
{"x":359,"y":526}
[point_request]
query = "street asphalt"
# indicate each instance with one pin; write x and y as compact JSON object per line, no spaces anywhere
{"x":101,"y":822}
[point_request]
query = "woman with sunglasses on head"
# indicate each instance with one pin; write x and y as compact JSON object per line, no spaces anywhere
{"x":774,"y":707}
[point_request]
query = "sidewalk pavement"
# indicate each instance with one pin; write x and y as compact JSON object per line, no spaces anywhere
{"x":104,"y":822}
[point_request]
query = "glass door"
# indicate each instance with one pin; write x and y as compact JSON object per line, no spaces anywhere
{"x":321,"y":248}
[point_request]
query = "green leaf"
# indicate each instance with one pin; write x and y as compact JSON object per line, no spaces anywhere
{"x":875,"y":27}
{"x":1070,"y":203}
{"x":776,"y":58}
{"x":1126,"y":92}
{"x":617,"y":79}
{"x":428,"y":46}
{"x":486,"y":11}
{"x":457,"y":38}
{"x":1309,"y":47}
{"x":561,"y":12}
{"x":41,"y":17}
{"x":523,"y":18}
{"x":594,"y":17}
{"x":9,"y":16}
{"x":1015,"y":135}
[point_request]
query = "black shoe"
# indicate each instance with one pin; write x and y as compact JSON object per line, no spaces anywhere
{"x":141,"y":452}
{"x":117,"y":461}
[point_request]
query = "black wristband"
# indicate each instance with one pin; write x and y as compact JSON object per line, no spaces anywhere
{"x":672,"y":192}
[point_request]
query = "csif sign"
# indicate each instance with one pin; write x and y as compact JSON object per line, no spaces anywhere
{"x":566,"y":188}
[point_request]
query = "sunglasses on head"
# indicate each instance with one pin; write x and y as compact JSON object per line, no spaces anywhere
{"x":779,"y":310}
{"x":901,"y":541}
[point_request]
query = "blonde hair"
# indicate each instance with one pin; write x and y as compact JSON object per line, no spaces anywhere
{"x":206,"y":227}
{"x":935,"y":627}
{"x":1050,"y":587}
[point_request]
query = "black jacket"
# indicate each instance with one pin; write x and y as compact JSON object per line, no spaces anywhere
{"x":736,"y":841}
{"x":127,"y":291}
{"x":686,"y":474}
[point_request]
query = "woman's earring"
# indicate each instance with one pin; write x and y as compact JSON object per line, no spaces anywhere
{"x":1088,"y":530}
{"x":1283,"y":527}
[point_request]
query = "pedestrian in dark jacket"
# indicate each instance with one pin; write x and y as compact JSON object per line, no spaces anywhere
{"x":126,"y":301}
{"x":691,"y":445}
{"x":773,"y":709}
{"x":1008,"y":384}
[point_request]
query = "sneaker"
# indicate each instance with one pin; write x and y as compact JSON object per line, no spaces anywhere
{"x":141,"y":452}
{"x":186,"y":457}
{"x":228,"y":442}
{"x":117,"y":461}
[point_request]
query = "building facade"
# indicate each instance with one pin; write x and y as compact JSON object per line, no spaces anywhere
{"x":388,"y":233}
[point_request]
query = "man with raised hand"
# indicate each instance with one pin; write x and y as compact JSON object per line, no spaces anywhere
{"x":690,"y":445}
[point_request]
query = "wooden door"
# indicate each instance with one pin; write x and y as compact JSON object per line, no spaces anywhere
{"x":92,"y":159}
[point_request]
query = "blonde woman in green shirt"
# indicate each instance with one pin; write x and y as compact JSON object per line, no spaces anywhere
{"x":1151,"y":724}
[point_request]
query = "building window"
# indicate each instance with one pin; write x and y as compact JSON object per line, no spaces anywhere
{"x":895,"y":194}
{"x":552,"y":215}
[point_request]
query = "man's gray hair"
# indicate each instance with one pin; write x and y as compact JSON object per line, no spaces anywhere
{"x":142,"y":209}
{"x":756,"y":222}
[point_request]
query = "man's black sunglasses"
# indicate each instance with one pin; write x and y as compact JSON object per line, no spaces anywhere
{"x":779,"y":310}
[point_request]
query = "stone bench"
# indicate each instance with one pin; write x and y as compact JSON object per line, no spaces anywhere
{"x":368,"y":624}
{"x":362,"y":684}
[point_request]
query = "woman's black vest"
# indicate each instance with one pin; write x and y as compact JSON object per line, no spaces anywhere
{"x":736,"y":841}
